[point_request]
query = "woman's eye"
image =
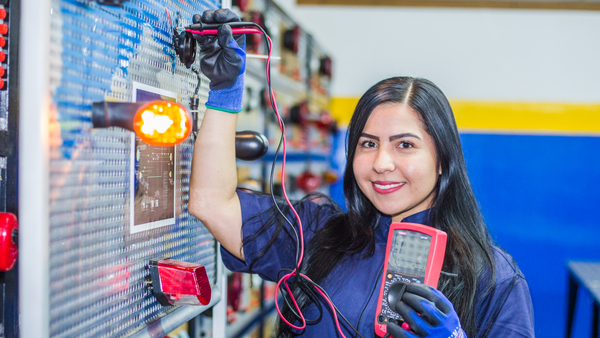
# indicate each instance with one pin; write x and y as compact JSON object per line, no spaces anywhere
{"x":405,"y":145}
{"x":368,"y":144}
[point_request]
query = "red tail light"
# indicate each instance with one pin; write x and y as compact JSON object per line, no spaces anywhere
{"x":179,"y":283}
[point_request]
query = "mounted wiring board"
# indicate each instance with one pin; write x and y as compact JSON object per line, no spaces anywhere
{"x":107,"y":203}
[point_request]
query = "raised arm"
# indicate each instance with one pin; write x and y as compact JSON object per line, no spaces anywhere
{"x":213,"y":199}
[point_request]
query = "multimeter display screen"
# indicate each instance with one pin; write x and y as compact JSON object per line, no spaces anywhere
{"x":409,"y":252}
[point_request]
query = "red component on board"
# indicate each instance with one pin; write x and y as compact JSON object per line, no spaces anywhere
{"x":179,"y":283}
{"x":9,"y":228}
{"x":2,"y":41}
{"x":242,"y":4}
{"x":2,"y":13}
{"x":308,"y":182}
{"x":234,"y":290}
{"x":3,"y":29}
{"x":254,"y":41}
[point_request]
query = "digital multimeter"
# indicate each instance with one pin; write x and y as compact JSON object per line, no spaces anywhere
{"x":414,"y":254}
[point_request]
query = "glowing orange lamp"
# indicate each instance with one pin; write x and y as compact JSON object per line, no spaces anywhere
{"x":158,"y":123}
{"x":166,"y":123}
{"x":162,"y":123}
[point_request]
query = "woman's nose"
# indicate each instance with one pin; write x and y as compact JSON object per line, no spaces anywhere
{"x":383,"y":162}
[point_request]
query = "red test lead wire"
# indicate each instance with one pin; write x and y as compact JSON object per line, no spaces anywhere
{"x":286,"y":277}
{"x":233,"y":30}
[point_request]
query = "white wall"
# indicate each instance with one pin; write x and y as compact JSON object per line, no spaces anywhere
{"x":472,"y":54}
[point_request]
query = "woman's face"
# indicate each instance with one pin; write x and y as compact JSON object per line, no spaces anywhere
{"x":395,"y":163}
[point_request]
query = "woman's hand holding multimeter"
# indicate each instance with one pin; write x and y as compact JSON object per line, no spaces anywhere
{"x":408,"y":304}
{"x":427,"y":312}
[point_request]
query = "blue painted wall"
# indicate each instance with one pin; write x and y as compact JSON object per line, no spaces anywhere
{"x":540,"y":197}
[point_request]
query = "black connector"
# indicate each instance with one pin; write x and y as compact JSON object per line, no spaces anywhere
{"x":250,"y":145}
{"x":155,"y":282}
{"x":185,"y":47}
{"x":114,"y":114}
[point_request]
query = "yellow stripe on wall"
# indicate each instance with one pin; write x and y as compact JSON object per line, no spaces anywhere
{"x":527,"y":117}
{"x":342,"y":109}
{"x":510,"y":117}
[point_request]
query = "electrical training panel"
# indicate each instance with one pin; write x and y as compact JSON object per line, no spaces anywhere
{"x":115,"y":203}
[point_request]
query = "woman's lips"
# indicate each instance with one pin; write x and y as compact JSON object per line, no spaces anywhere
{"x":386,"y":187}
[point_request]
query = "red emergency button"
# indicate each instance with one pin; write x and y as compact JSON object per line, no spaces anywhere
{"x":179,"y":283}
{"x":8,"y":240}
{"x":3,"y":29}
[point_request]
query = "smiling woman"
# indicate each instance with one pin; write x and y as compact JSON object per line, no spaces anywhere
{"x":404,"y":164}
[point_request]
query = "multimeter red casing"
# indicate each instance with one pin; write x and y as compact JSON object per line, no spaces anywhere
{"x":411,"y":265}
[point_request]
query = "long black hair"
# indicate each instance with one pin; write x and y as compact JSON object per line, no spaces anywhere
{"x":469,"y":258}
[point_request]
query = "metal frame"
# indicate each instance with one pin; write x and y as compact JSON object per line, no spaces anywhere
{"x":34,"y":168}
{"x":10,"y":313}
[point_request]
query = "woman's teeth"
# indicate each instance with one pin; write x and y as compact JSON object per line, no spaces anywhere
{"x":387,"y":186}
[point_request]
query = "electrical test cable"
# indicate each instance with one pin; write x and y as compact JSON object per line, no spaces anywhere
{"x":300,"y":236}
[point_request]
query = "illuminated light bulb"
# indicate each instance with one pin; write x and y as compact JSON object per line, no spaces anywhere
{"x":162,"y":123}
{"x":158,"y":123}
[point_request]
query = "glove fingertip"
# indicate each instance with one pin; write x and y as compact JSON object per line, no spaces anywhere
{"x":442,"y":303}
{"x":197,"y":18}
{"x":396,"y":331}
{"x":208,"y":16}
{"x":225,"y":35}
{"x":225,"y":29}
{"x":226,"y":15}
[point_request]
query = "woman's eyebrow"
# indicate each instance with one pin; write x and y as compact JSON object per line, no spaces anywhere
{"x":395,"y":137}
{"x":369,"y":136}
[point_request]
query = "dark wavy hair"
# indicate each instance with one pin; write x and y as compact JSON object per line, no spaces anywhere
{"x":469,"y":258}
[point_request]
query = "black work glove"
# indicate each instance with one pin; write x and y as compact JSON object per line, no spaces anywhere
{"x":428,"y":313}
{"x":224,"y":61}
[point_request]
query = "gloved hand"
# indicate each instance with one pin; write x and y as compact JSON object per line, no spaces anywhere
{"x":428,"y":313}
{"x":224,"y":61}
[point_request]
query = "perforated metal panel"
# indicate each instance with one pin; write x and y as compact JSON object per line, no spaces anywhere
{"x":97,"y":266}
